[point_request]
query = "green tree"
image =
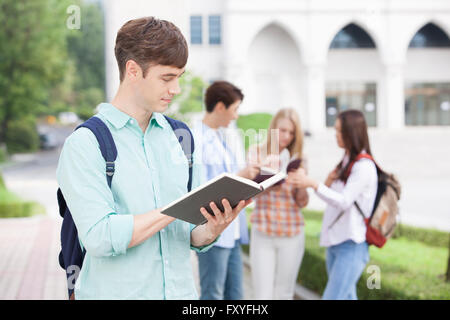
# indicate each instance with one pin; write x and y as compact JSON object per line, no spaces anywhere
{"x":86,"y":49}
{"x":33,"y":56}
{"x":191,"y":98}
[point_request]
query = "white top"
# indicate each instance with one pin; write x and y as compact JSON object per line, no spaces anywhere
{"x":361,"y":187}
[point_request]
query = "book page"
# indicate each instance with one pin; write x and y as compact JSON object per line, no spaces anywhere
{"x":273,"y":180}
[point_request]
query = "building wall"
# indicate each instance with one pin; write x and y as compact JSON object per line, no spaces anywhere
{"x":293,"y":37}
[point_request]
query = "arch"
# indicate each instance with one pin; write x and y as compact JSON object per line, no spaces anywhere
{"x":427,"y":75}
{"x":263,"y":25}
{"x":418,"y":26}
{"x":275,"y":71}
{"x":361,"y":25}
{"x":421,"y":38}
{"x":352,"y":36}
{"x":346,"y":86}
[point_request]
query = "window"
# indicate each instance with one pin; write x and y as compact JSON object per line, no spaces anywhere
{"x":214,"y":30}
{"x":430,"y":36}
{"x":341,"y":96}
{"x":196,"y":30}
{"x":427,"y":104}
{"x":352,"y":36}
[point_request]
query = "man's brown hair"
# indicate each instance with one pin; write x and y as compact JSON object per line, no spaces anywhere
{"x":150,"y":41}
{"x":222,"y":91}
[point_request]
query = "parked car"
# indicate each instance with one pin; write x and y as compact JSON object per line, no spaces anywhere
{"x":48,"y":141}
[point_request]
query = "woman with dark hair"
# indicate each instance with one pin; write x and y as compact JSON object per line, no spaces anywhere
{"x":352,"y":183}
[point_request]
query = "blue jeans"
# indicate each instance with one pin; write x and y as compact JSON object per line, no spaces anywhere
{"x":345,"y":264}
{"x":221,"y":273}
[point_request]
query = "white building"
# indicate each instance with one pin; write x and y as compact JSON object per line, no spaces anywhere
{"x":389,"y":58}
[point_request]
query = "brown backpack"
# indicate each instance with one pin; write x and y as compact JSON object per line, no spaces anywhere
{"x":383,"y":218}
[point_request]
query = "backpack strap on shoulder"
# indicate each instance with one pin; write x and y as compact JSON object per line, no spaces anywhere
{"x":106,"y":143}
{"x":186,"y":140}
{"x":358,"y":157}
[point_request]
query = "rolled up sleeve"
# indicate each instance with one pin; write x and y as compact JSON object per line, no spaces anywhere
{"x":202,"y":248}
{"x":82,"y":178}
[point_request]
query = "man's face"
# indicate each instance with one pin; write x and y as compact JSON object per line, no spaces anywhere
{"x":158,"y":88}
{"x":229,"y":114}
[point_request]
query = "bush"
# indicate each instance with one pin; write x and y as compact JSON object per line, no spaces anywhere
{"x":87,"y":100}
{"x":412,"y":265}
{"x":2,"y":182}
{"x":11,"y":206}
{"x":22,"y":136}
{"x":3,"y":154}
{"x":430,"y":237}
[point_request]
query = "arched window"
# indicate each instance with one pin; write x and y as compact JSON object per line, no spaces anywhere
{"x":430,"y":36}
{"x":427,"y":84}
{"x":347,"y":87}
{"x":352,"y":36}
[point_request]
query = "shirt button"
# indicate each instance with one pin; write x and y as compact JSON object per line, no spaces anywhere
{"x":167,"y":261}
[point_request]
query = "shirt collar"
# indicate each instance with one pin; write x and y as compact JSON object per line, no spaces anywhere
{"x":119,"y":119}
{"x":159,"y":119}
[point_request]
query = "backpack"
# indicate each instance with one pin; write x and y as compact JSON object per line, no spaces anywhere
{"x":72,"y":255}
{"x":383,"y":218}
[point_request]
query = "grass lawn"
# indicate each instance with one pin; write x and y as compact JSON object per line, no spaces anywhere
{"x":410,"y":266}
{"x":254,"y":121}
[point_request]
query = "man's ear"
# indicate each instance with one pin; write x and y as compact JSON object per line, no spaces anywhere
{"x":219,"y":107}
{"x":132,"y":70}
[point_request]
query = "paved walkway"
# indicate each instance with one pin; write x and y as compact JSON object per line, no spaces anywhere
{"x":29,"y":268}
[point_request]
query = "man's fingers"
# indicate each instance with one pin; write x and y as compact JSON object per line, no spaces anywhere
{"x":227,"y":206}
{"x":241,"y":205}
{"x":218,"y":214}
{"x":206,"y":214}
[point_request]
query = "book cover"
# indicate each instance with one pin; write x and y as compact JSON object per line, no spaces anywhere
{"x":267,"y":173}
{"x":228,"y":186}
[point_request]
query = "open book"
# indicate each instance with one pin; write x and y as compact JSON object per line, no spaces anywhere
{"x":229,"y":186}
{"x":266,"y":173}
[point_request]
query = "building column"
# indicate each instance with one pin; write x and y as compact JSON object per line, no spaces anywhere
{"x":391,"y":113}
{"x":315,"y":97}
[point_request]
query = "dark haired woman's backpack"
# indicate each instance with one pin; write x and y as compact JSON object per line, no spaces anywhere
{"x":383,"y":218}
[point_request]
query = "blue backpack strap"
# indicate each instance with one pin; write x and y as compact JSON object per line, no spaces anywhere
{"x":106,"y":143}
{"x":186,"y":140}
{"x":72,"y":254}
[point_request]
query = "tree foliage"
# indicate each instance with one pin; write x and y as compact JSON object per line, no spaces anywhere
{"x":33,"y":56}
{"x":86,"y":49}
{"x":190,"y":99}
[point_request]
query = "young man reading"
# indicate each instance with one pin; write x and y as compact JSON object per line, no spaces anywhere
{"x":132,"y":250}
{"x":221,"y":269}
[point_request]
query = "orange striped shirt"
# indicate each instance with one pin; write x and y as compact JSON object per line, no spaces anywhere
{"x":277,"y":214}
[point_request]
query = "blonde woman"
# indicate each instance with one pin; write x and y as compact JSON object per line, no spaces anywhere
{"x":277,"y":235}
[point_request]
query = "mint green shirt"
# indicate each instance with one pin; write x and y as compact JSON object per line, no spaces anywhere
{"x":151,"y":171}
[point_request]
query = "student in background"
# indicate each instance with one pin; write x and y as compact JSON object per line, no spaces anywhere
{"x":277,"y":236}
{"x":343,"y":228}
{"x":220,"y":268}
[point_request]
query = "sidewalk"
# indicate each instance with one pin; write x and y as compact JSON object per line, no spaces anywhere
{"x":29,"y":268}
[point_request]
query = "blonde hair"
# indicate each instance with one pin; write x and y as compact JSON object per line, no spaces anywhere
{"x":296,"y":145}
